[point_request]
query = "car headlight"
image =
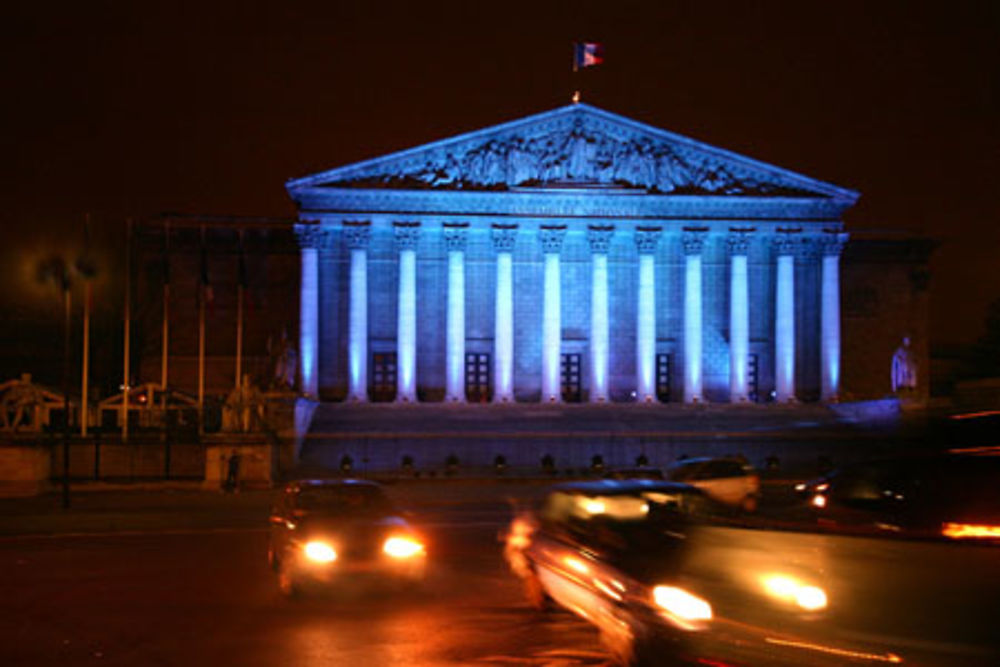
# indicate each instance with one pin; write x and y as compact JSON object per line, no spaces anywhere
{"x":402,"y":547}
{"x":320,"y":552}
{"x":686,"y":608}
{"x":790,"y":589}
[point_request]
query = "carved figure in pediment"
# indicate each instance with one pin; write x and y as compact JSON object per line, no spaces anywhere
{"x":522,"y":163}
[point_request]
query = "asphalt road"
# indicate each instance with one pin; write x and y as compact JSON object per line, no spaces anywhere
{"x":207,"y":597}
{"x":182,"y":580}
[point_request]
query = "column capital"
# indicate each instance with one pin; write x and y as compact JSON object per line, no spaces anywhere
{"x":455,"y":236}
{"x":693,"y":239}
{"x":310,"y":235}
{"x":406,"y":234}
{"x":647,"y":239}
{"x":832,"y":241}
{"x":787,"y":240}
{"x":551,"y":237}
{"x":357,"y":233}
{"x":811,"y":248}
{"x":503,"y":237}
{"x":738,"y":240}
{"x":599,"y":238}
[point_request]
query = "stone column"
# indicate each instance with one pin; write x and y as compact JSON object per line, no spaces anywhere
{"x":455,"y":235}
{"x":407,"y":234}
{"x":832,"y":244}
{"x":738,"y":243}
{"x":786,"y":244}
{"x":646,"y":241}
{"x":693,"y":240}
{"x":600,"y":239}
{"x":310,"y":237}
{"x":551,"y":238}
{"x":503,"y":237}
{"x":357,"y":235}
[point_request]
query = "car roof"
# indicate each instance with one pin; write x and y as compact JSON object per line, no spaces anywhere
{"x":331,"y":483}
{"x":607,"y":487}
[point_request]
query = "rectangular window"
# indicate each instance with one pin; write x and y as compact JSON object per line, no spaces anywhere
{"x":570,"y":377}
{"x":383,"y":376}
{"x":663,"y":368}
{"x":477,"y":377}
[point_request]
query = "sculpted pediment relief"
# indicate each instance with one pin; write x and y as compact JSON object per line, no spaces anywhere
{"x":574,"y":146}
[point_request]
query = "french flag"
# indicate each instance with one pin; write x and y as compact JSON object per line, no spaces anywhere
{"x":587,"y":54}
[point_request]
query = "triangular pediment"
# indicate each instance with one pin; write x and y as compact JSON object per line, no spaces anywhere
{"x":573,"y":146}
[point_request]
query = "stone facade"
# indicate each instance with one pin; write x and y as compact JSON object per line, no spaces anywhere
{"x":663,"y":202}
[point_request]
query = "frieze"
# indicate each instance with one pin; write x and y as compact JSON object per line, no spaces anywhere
{"x":599,"y":238}
{"x":406,"y":234}
{"x":812,"y":211}
{"x":576,"y":146}
{"x":551,"y":237}
{"x":503,"y":237}
{"x":357,"y":233}
{"x":693,"y":240}
{"x":646,"y":239}
{"x":455,"y":236}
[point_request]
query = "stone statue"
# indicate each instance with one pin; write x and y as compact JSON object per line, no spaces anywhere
{"x":18,"y":408}
{"x":284,"y":362}
{"x":244,"y":409}
{"x":904,"y":368}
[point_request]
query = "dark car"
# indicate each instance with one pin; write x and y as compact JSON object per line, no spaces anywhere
{"x":948,"y":496}
{"x":728,"y":480}
{"x":340,"y":532}
{"x":609,"y":551}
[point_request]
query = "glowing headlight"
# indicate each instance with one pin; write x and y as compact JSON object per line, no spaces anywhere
{"x":320,"y":552}
{"x":789,"y":589}
{"x":683,"y":605}
{"x":402,"y":547}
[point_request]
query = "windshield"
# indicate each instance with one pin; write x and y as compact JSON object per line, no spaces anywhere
{"x":343,"y":500}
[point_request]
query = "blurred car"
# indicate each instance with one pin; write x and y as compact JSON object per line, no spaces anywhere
{"x":335,"y":532}
{"x":609,"y":551}
{"x":947,"y":496}
{"x":730,"y":481}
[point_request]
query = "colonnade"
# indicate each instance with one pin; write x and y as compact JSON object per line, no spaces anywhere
{"x":786,"y":243}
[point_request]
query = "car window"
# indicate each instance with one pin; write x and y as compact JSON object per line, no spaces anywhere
{"x":342,"y":500}
{"x":685,"y":472}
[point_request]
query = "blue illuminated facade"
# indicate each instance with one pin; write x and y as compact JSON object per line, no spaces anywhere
{"x":574,"y":255}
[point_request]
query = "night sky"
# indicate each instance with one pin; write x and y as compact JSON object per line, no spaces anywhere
{"x":121,"y":109}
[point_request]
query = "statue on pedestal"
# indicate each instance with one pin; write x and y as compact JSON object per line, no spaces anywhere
{"x":244,"y":409}
{"x":904,"y":369}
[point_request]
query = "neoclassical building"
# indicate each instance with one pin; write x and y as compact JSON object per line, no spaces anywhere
{"x":574,"y":255}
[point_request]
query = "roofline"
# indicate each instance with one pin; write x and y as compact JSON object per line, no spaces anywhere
{"x":823,"y":186}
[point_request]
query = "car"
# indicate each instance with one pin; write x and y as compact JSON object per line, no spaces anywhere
{"x":634,"y":473}
{"x":339,"y":533}
{"x":941,"y":496}
{"x":730,"y":481}
{"x":609,"y":551}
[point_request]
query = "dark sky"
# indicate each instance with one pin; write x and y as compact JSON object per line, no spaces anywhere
{"x":134,"y":108}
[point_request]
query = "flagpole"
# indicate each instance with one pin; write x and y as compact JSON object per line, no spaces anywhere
{"x":85,"y":371}
{"x":84,"y":397}
{"x":165,"y":357}
{"x":239,"y":314}
{"x":201,"y":336}
{"x":127,"y":332}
